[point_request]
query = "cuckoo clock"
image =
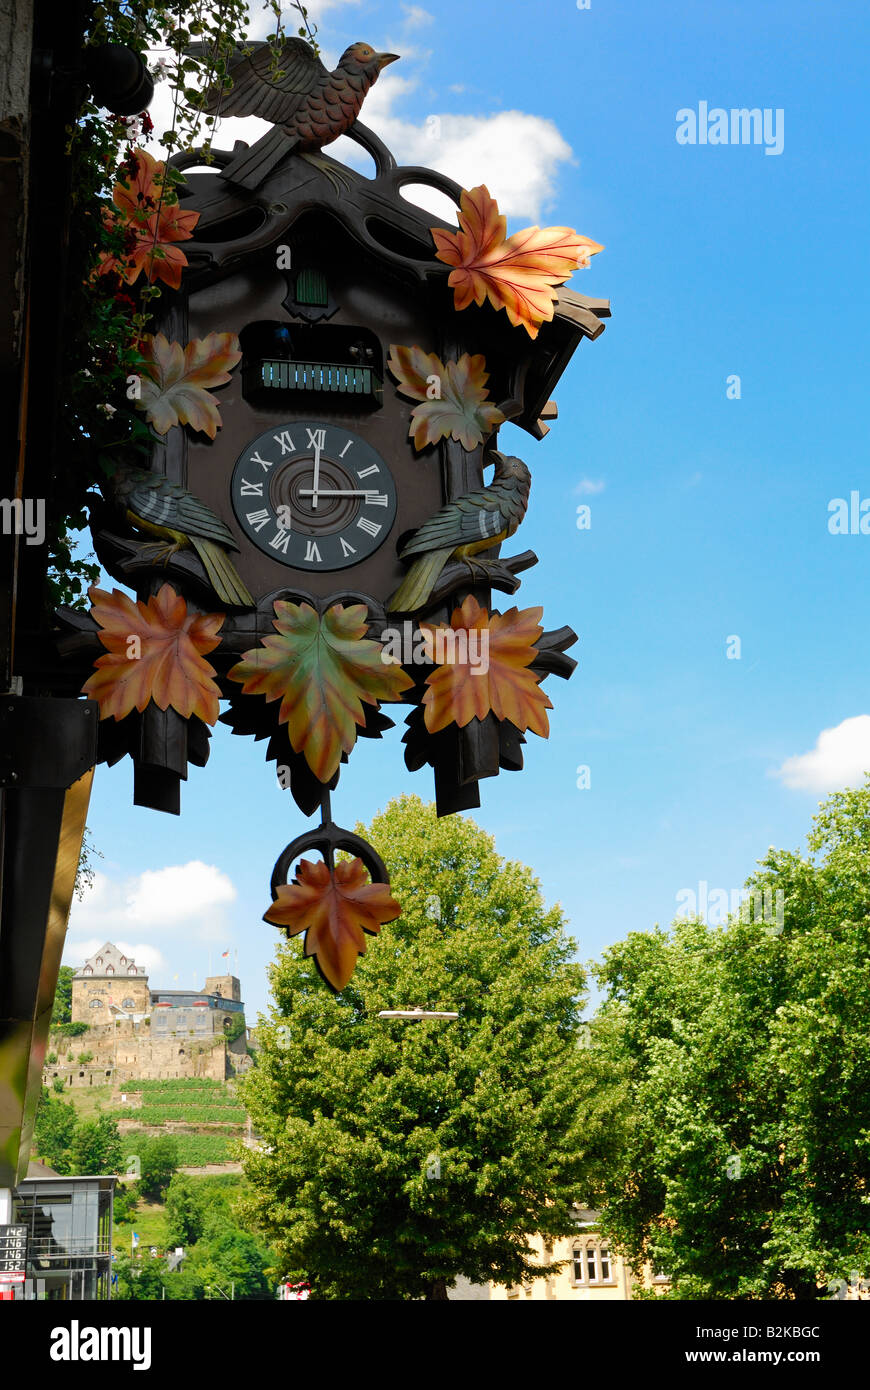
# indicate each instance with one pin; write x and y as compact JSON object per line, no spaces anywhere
{"x":332,"y":498}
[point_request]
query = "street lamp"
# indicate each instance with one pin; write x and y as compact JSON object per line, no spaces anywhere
{"x":228,"y":1296}
{"x":416,"y":1012}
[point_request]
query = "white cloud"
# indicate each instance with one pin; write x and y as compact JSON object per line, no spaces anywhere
{"x":516,"y":154}
{"x":840,"y":758}
{"x":590,"y":487}
{"x":415,"y":16}
{"x":194,"y":894}
{"x":147,"y":957}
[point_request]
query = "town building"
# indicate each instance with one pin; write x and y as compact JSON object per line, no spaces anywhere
{"x":64,"y":1225}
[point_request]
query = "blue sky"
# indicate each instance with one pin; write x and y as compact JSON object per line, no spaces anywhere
{"x":709,"y":515}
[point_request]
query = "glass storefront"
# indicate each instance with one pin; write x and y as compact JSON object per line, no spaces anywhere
{"x":69,"y":1236}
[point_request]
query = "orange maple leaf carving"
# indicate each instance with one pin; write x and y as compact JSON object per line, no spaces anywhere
{"x":174,"y":380}
{"x":486,"y":669}
{"x":518,"y":273}
{"x":322,"y":670}
{"x":335,"y":909}
{"x":148,"y":209}
{"x":459,"y":408}
{"x":155,"y":651}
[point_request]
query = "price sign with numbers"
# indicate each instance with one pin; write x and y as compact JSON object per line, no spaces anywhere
{"x":13,"y":1248}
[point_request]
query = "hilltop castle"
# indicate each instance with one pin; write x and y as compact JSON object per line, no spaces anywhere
{"x":136,"y":1033}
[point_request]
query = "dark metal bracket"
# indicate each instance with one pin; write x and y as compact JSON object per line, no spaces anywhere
{"x":46,"y":741}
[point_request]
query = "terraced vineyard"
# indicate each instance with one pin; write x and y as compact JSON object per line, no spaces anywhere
{"x":202,"y":1116}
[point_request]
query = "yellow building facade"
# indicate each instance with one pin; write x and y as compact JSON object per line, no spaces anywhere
{"x":592,"y":1270}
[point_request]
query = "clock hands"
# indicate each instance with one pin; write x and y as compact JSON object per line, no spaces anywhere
{"x":314,"y":493}
{"x":317,"y":441}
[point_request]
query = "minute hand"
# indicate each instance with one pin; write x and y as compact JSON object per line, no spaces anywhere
{"x":338,"y":492}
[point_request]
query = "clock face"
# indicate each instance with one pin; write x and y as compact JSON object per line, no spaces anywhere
{"x":313,"y":496}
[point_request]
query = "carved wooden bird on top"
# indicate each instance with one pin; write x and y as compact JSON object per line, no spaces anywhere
{"x":161,"y":508}
{"x":309,"y":105}
{"x":477,"y":521}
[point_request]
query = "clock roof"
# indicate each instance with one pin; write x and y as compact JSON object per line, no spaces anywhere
{"x":391,"y":236}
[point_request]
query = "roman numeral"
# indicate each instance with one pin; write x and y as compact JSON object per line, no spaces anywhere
{"x":264,"y":463}
{"x":312,"y":553}
{"x":287,"y":445}
{"x":367,"y":472}
{"x":372,"y":527}
{"x":259,"y":519}
{"x":345,"y":548}
{"x":281,"y":540}
{"x":377,"y":499}
{"x":345,"y":449}
{"x":251,"y":489}
{"x":316,"y":438}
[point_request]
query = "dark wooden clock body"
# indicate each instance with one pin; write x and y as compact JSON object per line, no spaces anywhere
{"x":394,"y":313}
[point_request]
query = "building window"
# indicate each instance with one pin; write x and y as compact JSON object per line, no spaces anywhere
{"x":605,"y":1264}
{"x":129,"y":1004}
{"x":96,"y":1003}
{"x":577,"y":1262}
{"x":591,"y":1270}
{"x":110,"y":969}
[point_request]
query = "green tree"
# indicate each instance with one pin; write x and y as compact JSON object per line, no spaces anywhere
{"x":742,"y":1165}
{"x":96,"y":1146}
{"x":62,"y":1006}
{"x":396,"y":1157}
{"x":53,"y":1131}
{"x":236,"y":1258}
{"x":158,"y":1159}
{"x":125,"y":1203}
{"x":185,"y":1214}
{"x":141,"y":1279}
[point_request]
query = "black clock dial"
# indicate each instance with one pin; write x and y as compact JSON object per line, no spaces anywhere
{"x":313,"y":496}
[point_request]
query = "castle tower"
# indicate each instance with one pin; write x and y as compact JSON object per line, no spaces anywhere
{"x":227,"y":986}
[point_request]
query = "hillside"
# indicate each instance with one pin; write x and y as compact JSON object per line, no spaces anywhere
{"x":203,"y":1116}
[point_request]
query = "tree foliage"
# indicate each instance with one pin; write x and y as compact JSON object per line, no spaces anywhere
{"x":741,"y":1163}
{"x":185,"y":1212}
{"x":62,"y":1006}
{"x":396,"y":1157}
{"x":158,"y":1161}
{"x":53,"y":1131}
{"x":96,"y":1146}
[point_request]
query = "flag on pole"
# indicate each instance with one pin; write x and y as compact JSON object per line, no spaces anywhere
{"x":135,"y":1237}
{"x":224,"y":955}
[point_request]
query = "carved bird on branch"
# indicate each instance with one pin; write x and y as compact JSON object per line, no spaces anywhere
{"x":475,"y":522}
{"x":153,"y":504}
{"x":308,"y":105}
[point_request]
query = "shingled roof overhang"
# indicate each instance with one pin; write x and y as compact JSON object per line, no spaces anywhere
{"x":386,"y":230}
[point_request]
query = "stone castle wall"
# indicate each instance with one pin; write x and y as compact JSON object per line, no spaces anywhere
{"x":134,"y":1055}
{"x":91,"y":995}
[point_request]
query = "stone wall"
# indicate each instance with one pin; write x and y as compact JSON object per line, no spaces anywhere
{"x":91,"y":995}
{"x":132,"y":1054}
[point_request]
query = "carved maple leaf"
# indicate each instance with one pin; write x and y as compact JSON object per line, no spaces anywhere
{"x":335,"y":909}
{"x":147,"y":209}
{"x":486,"y":669}
{"x":518,"y":273}
{"x":453,"y":396}
{"x":155,"y":651}
{"x":323,"y":670}
{"x":174,"y":380}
